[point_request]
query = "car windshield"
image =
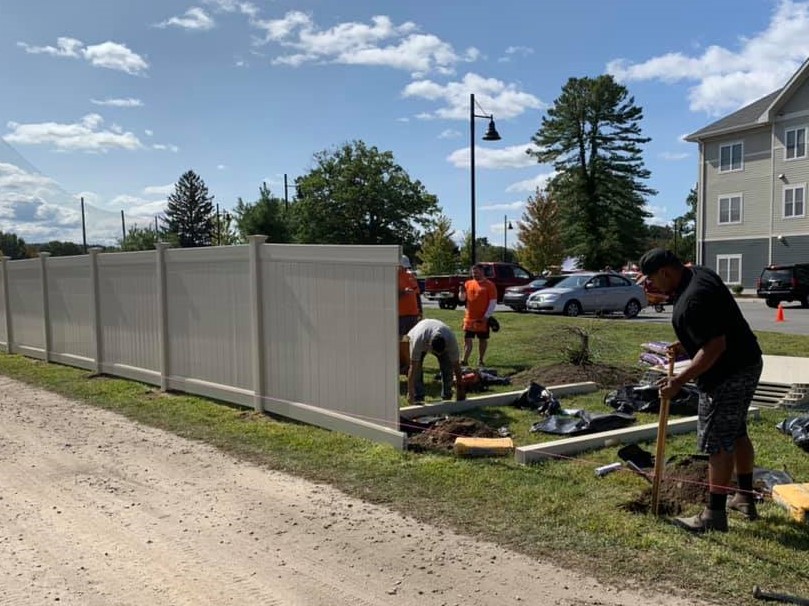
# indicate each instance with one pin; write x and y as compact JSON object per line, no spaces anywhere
{"x":573,"y":281}
{"x":780,"y":275}
{"x":538,"y":283}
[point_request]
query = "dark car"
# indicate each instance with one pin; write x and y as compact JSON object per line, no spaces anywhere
{"x":779,"y":283}
{"x":516,"y":296}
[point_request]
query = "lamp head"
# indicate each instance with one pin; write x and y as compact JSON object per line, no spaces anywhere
{"x":491,"y":132}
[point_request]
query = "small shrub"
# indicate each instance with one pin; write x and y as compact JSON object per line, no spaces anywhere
{"x":737,"y":289}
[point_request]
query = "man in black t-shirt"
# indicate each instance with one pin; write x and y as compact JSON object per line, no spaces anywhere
{"x":726,"y":365}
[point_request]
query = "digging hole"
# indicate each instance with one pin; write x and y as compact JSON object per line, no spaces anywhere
{"x":684,"y":485}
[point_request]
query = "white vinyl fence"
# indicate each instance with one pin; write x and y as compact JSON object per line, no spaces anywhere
{"x":304,"y":331}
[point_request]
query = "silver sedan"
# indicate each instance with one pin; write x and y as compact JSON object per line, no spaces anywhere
{"x":590,"y":293}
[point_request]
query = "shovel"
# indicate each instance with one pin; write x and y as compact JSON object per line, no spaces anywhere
{"x":660,"y":455}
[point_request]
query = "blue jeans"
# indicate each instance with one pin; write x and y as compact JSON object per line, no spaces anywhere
{"x":445,"y":364}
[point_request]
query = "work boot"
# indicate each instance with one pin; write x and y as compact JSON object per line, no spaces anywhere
{"x":745,"y":504}
{"x":709,"y":519}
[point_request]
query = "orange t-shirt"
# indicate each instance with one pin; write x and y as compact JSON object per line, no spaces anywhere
{"x":408,"y":301}
{"x":478,"y":295}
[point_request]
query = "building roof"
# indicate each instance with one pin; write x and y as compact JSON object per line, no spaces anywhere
{"x":746,"y":117}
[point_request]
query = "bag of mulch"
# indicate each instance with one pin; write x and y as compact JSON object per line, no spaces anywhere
{"x":798,"y":428}
{"x":538,"y":398}
{"x":646,"y":398}
{"x":583,"y":422}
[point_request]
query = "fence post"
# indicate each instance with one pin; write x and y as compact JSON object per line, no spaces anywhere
{"x":257,"y":320}
{"x":46,"y":312}
{"x":95,"y":309}
{"x":6,"y":306}
{"x":163,"y":315}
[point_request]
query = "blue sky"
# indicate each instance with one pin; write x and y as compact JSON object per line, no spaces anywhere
{"x":114,"y":100}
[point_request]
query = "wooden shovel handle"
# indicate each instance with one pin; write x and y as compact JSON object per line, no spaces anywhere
{"x":660,"y":453}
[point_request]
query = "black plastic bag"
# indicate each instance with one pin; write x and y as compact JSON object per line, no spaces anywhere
{"x":798,"y":428}
{"x":583,"y":422}
{"x":646,"y":398}
{"x":538,"y":398}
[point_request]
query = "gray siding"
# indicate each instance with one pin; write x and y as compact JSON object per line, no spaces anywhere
{"x":754,"y":182}
{"x":754,"y":257}
{"x":798,"y":101}
{"x":796,"y":173}
{"x":794,"y":249}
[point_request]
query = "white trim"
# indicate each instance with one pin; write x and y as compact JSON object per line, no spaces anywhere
{"x":798,"y":186}
{"x":730,"y":197}
{"x":743,"y":238}
{"x":731,"y":145}
{"x":729,"y":258}
{"x":792,"y":115}
{"x":786,"y":147}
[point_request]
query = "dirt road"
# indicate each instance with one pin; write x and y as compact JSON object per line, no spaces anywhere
{"x":95,"y":509}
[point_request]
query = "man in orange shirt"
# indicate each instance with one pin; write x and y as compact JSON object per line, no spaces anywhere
{"x":480,"y":295}
{"x":409,"y":298}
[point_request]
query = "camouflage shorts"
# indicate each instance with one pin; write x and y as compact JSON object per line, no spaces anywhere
{"x":723,"y":410}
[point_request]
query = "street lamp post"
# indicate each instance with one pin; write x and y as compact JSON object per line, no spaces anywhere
{"x":506,"y":226}
{"x":491,"y":135}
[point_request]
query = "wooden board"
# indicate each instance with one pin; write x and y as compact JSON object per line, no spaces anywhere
{"x":483,"y":447}
{"x":795,"y":498}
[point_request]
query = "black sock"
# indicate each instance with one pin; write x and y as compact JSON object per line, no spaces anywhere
{"x":718,"y":501}
{"x":745,"y":481}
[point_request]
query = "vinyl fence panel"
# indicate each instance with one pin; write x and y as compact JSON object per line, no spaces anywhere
{"x":69,"y":300}
{"x":128,"y":315}
{"x":26,"y":306}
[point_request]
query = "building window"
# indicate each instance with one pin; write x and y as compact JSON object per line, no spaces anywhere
{"x":730,"y":209}
{"x":795,"y":144}
{"x":795,"y":201}
{"x":729,"y":268}
{"x":730,"y":157}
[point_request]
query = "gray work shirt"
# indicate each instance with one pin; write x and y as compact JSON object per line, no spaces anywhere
{"x":421,"y":335}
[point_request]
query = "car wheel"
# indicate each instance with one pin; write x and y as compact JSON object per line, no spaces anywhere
{"x":451,"y":305}
{"x":772,"y":302}
{"x":632,"y":308}
{"x":442,"y":305}
{"x":659,"y":308}
{"x":805,"y":302}
{"x":572,"y":309}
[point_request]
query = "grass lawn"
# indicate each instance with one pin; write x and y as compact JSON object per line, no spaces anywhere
{"x":556,"y":510}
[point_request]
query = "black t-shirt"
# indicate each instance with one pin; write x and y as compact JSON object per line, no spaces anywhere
{"x":703,"y":310}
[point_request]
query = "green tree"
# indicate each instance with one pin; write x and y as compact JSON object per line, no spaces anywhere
{"x":438,"y":252}
{"x":265,"y":216}
{"x":484,"y":251}
{"x":139,"y":238}
{"x":12,"y":246}
{"x":540,"y":237}
{"x":189,"y":212}
{"x":359,"y":195}
{"x":685,"y":227}
{"x":592,"y":137}
{"x":58,"y":248}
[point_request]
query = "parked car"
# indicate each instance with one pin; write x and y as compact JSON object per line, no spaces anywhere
{"x":516,"y":296}
{"x":590,"y":293}
{"x":779,"y":283}
{"x":444,"y":289}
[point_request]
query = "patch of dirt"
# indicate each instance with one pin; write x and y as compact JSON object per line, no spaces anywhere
{"x":441,"y":436}
{"x":685,"y":484}
{"x":606,"y":376}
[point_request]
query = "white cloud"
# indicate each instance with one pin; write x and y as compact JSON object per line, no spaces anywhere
{"x":494,"y":96}
{"x":166,"y":147}
{"x":514,"y":156}
{"x":531,"y":185}
{"x":148,"y":132}
{"x":109,"y":55}
{"x":403,"y":119}
{"x":127,"y":102}
{"x":659,"y":214}
{"x":194,"y":18}
{"x":674,"y":156}
{"x":86,"y":135}
{"x":504,"y":206}
{"x":220,"y":167}
{"x":729,"y":78}
{"x":233,"y":6}
{"x":450,"y":133}
{"x":511,"y":51}
{"x":381,"y":43}
{"x":158,"y":190}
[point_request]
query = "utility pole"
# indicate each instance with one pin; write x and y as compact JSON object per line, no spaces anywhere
{"x":83,"y":227}
{"x":123,"y":229}
{"x":286,"y":194}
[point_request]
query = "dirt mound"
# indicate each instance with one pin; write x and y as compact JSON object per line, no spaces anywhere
{"x":685,"y":484}
{"x":441,"y":436}
{"x":606,"y":376}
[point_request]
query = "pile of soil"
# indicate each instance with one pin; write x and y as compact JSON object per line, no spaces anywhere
{"x":606,"y":376}
{"x":685,"y":484}
{"x":441,"y":436}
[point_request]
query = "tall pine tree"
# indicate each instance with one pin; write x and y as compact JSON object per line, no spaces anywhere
{"x":592,"y":137}
{"x":189,"y":212}
{"x":438,"y":252}
{"x":540,"y":238}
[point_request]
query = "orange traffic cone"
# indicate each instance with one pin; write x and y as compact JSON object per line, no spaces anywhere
{"x":779,"y":315}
